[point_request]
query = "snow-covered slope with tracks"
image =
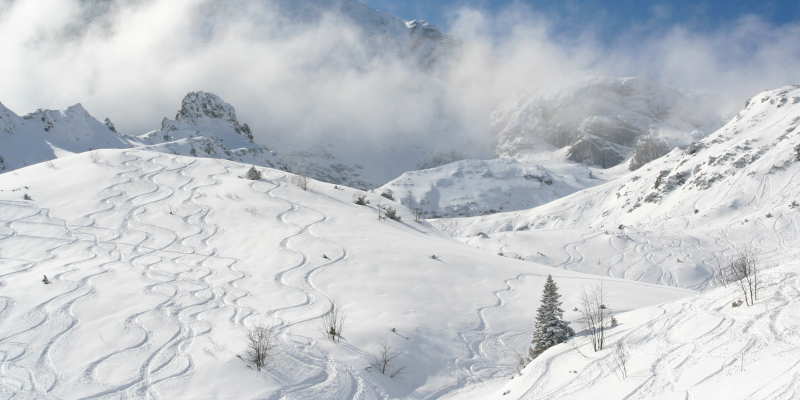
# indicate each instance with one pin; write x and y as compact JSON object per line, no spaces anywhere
{"x":160,"y":263}
{"x":698,"y":348}
{"x":678,"y":217}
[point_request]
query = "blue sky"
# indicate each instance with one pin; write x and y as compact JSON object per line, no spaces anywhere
{"x":610,"y":17}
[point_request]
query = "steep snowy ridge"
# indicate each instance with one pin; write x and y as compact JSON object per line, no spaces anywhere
{"x":478,"y":187}
{"x":601,"y":122}
{"x":204,"y":126}
{"x":75,"y":130}
{"x":46,"y":134}
{"x":159,"y":264}
{"x":678,"y":217}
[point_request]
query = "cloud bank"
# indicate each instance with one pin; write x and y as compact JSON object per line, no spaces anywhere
{"x":299,"y":76}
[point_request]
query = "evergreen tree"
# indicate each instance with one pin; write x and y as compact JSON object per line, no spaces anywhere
{"x":253,"y":174}
{"x":550,"y":328}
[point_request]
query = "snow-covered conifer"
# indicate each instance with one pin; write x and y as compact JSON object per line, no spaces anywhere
{"x":550,"y":328}
{"x":253,"y":174}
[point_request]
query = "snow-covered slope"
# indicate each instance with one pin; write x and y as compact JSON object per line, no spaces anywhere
{"x":46,"y":134}
{"x":697,"y":348}
{"x":602,"y":122}
{"x":477,"y":187}
{"x":676,"y":218}
{"x":159,"y":264}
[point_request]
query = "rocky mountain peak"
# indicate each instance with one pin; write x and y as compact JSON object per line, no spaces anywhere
{"x":196,"y":105}
{"x":199,"y":105}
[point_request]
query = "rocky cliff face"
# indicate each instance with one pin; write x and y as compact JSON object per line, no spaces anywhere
{"x":199,"y":106}
{"x":601,"y":122}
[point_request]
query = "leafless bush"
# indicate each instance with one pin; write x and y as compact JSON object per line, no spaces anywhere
{"x":361,"y":199}
{"x":419,"y":214}
{"x":300,"y":181}
{"x":333,"y":323}
{"x":385,"y":360}
{"x":621,"y":357}
{"x":389,"y":194}
{"x":522,"y":362}
{"x":743,"y":269}
{"x":259,"y":345}
{"x":721,"y":277}
{"x":390,"y":212}
{"x":596,"y":316}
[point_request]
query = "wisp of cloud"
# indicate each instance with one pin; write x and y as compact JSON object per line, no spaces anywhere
{"x":302,"y":76}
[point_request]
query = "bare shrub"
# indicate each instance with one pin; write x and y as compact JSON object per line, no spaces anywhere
{"x":419,"y":214}
{"x":720,"y":276}
{"x":361,"y":200}
{"x":300,"y":181}
{"x":388,"y":194}
{"x":621,"y":357}
{"x":522,"y":362}
{"x":596,"y":316}
{"x":391,"y":213}
{"x":333,"y":323}
{"x":259,"y":345}
{"x":385,"y":360}
{"x":743,"y":269}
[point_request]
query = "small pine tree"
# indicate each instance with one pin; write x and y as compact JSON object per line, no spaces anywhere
{"x":550,"y":328}
{"x":253,"y":174}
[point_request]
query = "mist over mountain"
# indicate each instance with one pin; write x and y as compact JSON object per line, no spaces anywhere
{"x":361,"y":83}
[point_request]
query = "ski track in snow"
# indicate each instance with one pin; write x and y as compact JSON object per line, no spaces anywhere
{"x":728,"y":342}
{"x":316,"y":304}
{"x":185,"y":295}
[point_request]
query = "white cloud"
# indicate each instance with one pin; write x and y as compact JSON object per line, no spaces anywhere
{"x":321,"y":81}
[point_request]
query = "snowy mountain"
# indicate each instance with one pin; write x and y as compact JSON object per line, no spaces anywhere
{"x":46,"y":134}
{"x":677,"y":218}
{"x":157,"y":265}
{"x":204,"y":126}
{"x":477,"y":187}
{"x":207,"y":126}
{"x":602,"y":122}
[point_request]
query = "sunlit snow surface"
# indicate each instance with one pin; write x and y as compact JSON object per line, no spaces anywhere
{"x":159,"y":263}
